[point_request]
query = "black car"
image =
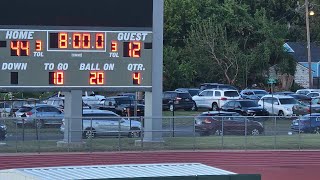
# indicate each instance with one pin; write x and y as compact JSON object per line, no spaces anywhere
{"x":191,"y":91}
{"x":222,"y":123}
{"x":301,"y":98}
{"x":121,"y":105}
{"x":173,"y":100}
{"x":245,"y":108}
{"x":3,"y":132}
{"x":216,"y":86}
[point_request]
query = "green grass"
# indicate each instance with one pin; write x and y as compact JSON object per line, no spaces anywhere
{"x":288,"y":142}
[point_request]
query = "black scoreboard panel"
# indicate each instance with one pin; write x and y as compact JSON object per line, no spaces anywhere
{"x":97,"y":44}
{"x":105,"y":13}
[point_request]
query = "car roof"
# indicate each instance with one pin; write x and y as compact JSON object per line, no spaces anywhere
{"x":219,"y":112}
{"x":175,"y":92}
{"x":118,"y":97}
{"x":96,"y":111}
{"x":242,"y":100}
{"x":299,"y":96}
{"x":36,"y":105}
{"x":254,"y":90}
{"x":277,"y":96}
{"x":313,"y":114}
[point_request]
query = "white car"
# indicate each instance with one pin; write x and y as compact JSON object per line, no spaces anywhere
{"x":215,"y":98}
{"x":280,"y":105}
{"x":306,"y":91}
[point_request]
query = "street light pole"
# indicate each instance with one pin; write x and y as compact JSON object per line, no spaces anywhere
{"x":308,"y":44}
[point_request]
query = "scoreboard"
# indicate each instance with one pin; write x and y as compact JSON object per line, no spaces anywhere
{"x":99,"y":54}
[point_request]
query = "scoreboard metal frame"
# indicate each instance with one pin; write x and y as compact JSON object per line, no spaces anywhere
{"x":56,"y":47}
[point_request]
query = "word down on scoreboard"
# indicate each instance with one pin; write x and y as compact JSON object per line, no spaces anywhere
{"x":67,"y":58}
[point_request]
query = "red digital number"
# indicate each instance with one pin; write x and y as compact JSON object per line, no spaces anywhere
{"x":136,"y":78}
{"x":86,"y":41}
{"x":24,"y":45}
{"x":15,"y":48}
{"x":20,"y":48}
{"x":134,"y":49}
{"x":96,"y":78}
{"x":114,"y":46}
{"x":38,"y":45}
{"x":63,"y":40}
{"x":99,"y":41}
{"x":58,"y":78}
{"x":76,"y":41}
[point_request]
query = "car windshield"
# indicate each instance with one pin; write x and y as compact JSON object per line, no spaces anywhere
{"x":288,"y":101}
{"x":184,"y":95}
{"x":25,"y":109}
{"x":126,"y":100}
{"x":193,"y":92}
{"x":249,"y":104}
{"x":231,"y":93}
{"x":260,"y":92}
{"x":315,"y":101}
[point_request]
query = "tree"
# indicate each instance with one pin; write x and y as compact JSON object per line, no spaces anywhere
{"x":212,"y":37}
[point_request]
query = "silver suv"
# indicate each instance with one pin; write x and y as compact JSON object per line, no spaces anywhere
{"x":213,"y":99}
{"x":106,"y":123}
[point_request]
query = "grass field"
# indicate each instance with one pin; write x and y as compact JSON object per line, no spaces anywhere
{"x":297,"y":141}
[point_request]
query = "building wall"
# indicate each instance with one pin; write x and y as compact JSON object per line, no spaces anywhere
{"x":301,"y":76}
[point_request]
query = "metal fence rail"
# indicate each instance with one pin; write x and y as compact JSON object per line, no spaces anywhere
{"x":178,"y":132}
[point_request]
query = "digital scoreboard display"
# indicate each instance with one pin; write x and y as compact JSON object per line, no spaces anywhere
{"x":103,"y":53}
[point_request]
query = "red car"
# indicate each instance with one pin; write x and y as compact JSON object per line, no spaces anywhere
{"x":222,"y":123}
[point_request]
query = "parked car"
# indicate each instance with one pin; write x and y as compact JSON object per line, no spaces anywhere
{"x":283,"y":93}
{"x":254,"y":94}
{"x":245,"y":108}
{"x":39,"y":115}
{"x":18,"y":103}
{"x":307,"y":107}
{"x":306,"y":91}
{"x":213,"y":99}
{"x":106,"y":123}
{"x":133,"y":97}
{"x":3,"y":132}
{"x":174,"y":100}
{"x":191,"y":91}
{"x":313,"y":94}
{"x":309,"y":123}
{"x":216,"y":86}
{"x":278,"y":104}
{"x":121,"y":105}
{"x":58,"y":102}
{"x":301,"y":98}
{"x":5,"y":109}
{"x":211,"y":122}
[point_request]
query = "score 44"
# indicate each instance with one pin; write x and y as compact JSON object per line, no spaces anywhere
{"x":22,"y":48}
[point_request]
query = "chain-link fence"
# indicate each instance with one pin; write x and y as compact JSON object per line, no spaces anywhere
{"x":102,"y":133}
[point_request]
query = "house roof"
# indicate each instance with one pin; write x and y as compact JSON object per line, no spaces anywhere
{"x":299,"y":51}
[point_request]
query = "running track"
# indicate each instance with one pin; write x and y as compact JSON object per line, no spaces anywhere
{"x":272,"y":165}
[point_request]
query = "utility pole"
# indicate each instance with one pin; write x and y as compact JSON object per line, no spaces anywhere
{"x":308,"y":44}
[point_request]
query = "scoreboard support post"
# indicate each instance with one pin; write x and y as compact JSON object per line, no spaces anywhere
{"x":153,"y":100}
{"x":72,"y":119}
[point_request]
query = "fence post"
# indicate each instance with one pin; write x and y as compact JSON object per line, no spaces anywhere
{"x":222,"y":133}
{"x":142,"y":131}
{"x":275,"y":133}
{"x":245,"y":133}
{"x":194,"y":134}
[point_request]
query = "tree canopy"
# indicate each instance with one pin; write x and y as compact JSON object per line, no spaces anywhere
{"x":231,"y":41}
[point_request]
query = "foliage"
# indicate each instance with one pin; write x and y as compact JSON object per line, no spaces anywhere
{"x":202,"y":36}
